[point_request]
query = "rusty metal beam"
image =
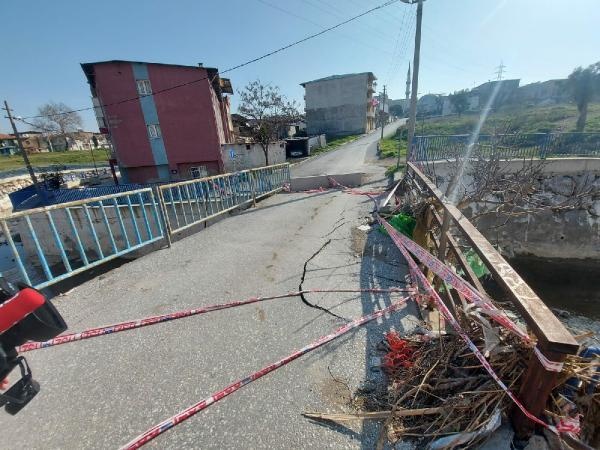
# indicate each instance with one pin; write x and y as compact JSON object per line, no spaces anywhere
{"x":460,"y":258}
{"x":551,"y":333}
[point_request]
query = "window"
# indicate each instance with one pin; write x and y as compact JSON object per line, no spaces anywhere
{"x":198,"y":172}
{"x":154,"y":131}
{"x":143,"y":87}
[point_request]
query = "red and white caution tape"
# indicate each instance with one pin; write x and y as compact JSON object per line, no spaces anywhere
{"x":353,"y":191}
{"x":450,"y":319}
{"x":552,"y":366}
{"x":449,"y":277}
{"x":132,"y":324}
{"x":189,"y":412}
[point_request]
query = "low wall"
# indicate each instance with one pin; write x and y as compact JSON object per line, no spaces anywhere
{"x":8,"y":186}
{"x":324,"y":181}
{"x":249,"y":156}
{"x":570,"y":233}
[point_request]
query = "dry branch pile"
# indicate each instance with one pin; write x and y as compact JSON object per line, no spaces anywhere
{"x":445,"y":375}
{"x":440,"y":395}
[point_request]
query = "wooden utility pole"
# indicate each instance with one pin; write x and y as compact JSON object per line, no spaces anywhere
{"x":383,"y":113}
{"x":415,"y":81}
{"x":22,"y":150}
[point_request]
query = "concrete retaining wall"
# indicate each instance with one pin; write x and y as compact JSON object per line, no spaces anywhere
{"x":572,"y":234}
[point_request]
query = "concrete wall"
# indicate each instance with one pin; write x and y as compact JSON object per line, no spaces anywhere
{"x":337,"y":106}
{"x":571,"y":234}
{"x":248,"y":158}
{"x":317,"y":142}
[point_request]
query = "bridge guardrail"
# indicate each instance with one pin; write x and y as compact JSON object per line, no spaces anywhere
{"x":506,"y":146}
{"x":59,"y":241}
{"x":52,"y":243}
{"x":188,"y":203}
{"x":554,"y":341}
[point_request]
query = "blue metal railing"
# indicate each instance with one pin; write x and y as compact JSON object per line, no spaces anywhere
{"x":53,"y":243}
{"x":83,"y":228}
{"x":506,"y":146}
{"x":191,"y":202}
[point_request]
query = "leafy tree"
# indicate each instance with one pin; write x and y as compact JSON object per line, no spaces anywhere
{"x":268,"y":112}
{"x":459,"y":101}
{"x":582,"y":83}
{"x":396,"y":110}
{"x":58,"y":120}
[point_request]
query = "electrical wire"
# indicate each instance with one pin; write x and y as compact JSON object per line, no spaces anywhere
{"x":230,"y":69}
{"x":312,"y":22}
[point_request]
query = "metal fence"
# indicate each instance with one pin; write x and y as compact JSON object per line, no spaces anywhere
{"x":52,"y":243}
{"x":506,"y":146}
{"x":55,"y":242}
{"x":188,"y":203}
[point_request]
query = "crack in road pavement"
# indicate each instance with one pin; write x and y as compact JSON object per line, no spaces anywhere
{"x":304,"y":300}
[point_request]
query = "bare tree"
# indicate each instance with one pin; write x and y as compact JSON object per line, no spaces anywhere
{"x":268,"y":111}
{"x":502,"y":179}
{"x":58,"y":119}
{"x":582,"y":82}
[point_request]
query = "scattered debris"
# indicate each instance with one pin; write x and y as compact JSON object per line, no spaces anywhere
{"x":440,"y":396}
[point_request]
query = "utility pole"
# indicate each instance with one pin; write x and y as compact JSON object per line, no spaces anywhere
{"x":383,"y":113}
{"x":22,"y":150}
{"x":415,"y":78}
{"x":407,"y":92}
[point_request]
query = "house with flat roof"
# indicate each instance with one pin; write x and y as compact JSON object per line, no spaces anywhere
{"x":165,"y":121}
{"x":340,"y":105}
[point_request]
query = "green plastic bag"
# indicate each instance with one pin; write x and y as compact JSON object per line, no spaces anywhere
{"x":476,"y":264}
{"x":404,"y":223}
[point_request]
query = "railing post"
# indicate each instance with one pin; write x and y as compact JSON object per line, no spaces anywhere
{"x":253,"y":187}
{"x":537,"y":385}
{"x":163,"y":215}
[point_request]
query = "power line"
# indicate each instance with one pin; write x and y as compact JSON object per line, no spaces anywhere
{"x":405,"y":47}
{"x":401,"y":32}
{"x":230,"y":69}
{"x":298,"y":16}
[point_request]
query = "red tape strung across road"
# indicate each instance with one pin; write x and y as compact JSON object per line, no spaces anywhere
{"x":415,"y":272}
{"x":132,"y":324}
{"x":189,"y":412}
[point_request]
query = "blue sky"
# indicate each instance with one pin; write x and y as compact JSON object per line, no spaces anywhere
{"x":43,"y":42}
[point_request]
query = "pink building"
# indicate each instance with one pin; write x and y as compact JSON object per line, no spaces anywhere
{"x":165,"y":121}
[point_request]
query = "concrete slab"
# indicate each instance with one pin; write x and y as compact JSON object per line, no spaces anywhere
{"x":299,"y":184}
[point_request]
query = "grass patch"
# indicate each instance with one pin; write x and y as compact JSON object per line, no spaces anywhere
{"x":528,"y":119}
{"x":388,"y":148}
{"x":53,"y":158}
{"x":335,"y":143}
{"x":393,"y":169}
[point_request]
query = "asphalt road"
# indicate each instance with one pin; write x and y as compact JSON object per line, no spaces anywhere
{"x":350,"y":158}
{"x":102,"y":392}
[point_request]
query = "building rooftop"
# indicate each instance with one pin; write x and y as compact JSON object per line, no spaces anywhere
{"x":199,"y":66}
{"x":221,"y":85}
{"x":335,"y":77}
{"x":6,"y":136}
